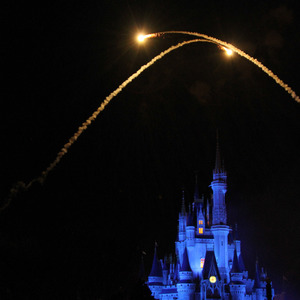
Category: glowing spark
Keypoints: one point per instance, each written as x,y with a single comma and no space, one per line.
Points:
141,37
228,51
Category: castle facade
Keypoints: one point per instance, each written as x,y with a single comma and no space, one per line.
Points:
209,262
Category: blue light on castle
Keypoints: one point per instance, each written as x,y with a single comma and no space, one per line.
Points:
208,262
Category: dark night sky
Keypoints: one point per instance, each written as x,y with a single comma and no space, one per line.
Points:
119,187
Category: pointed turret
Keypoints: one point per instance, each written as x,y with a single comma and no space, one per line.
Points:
185,286
208,212
237,286
185,265
235,265
182,220
257,282
218,165
156,270
191,219
236,233
219,187
241,263
258,287
183,212
176,272
219,216
210,268
190,228
165,271
155,279
196,192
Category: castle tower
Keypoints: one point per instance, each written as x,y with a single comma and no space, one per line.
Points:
219,216
209,263
185,286
219,187
165,271
237,286
155,279
182,221
258,287
190,229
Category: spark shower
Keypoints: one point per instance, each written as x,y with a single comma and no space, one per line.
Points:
141,38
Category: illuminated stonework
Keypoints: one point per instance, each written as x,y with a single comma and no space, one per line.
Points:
208,262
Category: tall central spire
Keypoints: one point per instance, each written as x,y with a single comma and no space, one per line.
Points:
219,187
218,165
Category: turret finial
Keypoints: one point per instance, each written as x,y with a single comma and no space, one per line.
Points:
183,202
196,193
218,164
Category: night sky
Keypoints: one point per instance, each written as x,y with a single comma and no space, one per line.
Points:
80,235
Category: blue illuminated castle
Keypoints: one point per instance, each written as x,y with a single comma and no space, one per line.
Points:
208,263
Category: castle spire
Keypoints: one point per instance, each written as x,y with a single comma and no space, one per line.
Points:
235,265
196,193
183,203
219,187
218,165
156,270
257,282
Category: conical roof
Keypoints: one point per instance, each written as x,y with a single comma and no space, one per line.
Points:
185,265
196,192
183,203
156,266
210,267
235,265
166,265
257,282
241,263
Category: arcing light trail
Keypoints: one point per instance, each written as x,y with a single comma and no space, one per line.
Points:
203,38
23,186
234,49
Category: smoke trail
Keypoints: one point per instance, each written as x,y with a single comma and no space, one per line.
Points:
238,51
19,186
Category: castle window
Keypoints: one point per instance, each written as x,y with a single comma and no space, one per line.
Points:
200,222
200,230
202,263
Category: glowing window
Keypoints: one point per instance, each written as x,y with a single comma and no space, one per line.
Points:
212,279
200,230
202,262
200,222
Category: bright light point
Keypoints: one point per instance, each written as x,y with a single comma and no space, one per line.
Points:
228,51
141,37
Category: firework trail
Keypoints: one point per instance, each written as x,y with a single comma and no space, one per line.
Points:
236,50
19,186
204,38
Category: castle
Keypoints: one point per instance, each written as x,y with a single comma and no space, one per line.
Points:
208,263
